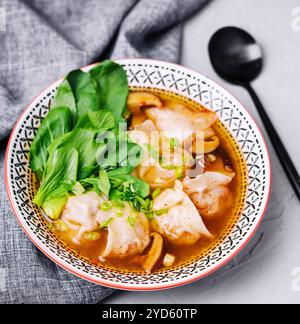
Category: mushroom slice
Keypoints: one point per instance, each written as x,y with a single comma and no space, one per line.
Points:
202,142
205,146
208,133
138,100
154,252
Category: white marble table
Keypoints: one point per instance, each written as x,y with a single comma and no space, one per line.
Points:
266,271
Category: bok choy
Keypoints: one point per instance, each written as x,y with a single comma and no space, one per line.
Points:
70,148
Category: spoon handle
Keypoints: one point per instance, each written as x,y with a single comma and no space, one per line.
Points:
282,153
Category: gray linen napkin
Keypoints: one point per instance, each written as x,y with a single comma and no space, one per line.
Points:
43,40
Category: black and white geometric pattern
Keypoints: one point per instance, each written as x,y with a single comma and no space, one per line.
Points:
193,87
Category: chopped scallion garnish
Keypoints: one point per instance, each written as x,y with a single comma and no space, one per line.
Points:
106,205
179,172
132,219
156,192
92,236
106,223
161,212
173,143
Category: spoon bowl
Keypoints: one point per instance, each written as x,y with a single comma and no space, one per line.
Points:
237,58
235,55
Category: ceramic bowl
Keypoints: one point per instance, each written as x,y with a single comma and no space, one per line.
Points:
194,87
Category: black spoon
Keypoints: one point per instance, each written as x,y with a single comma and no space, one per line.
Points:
237,58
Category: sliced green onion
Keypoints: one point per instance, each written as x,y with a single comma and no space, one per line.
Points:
151,205
150,215
169,167
173,143
106,205
119,212
118,203
179,172
161,211
156,192
131,219
92,236
106,223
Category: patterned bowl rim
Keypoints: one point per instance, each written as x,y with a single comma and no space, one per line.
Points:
157,286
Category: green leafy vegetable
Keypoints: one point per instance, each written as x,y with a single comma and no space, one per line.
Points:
56,123
78,189
96,120
131,189
85,92
129,183
100,184
105,183
54,206
64,98
83,140
82,135
113,87
118,150
121,171
61,173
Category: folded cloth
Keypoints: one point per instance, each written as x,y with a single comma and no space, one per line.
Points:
42,41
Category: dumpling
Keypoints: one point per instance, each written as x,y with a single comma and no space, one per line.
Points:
181,223
209,192
150,169
180,122
128,231
159,171
80,212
